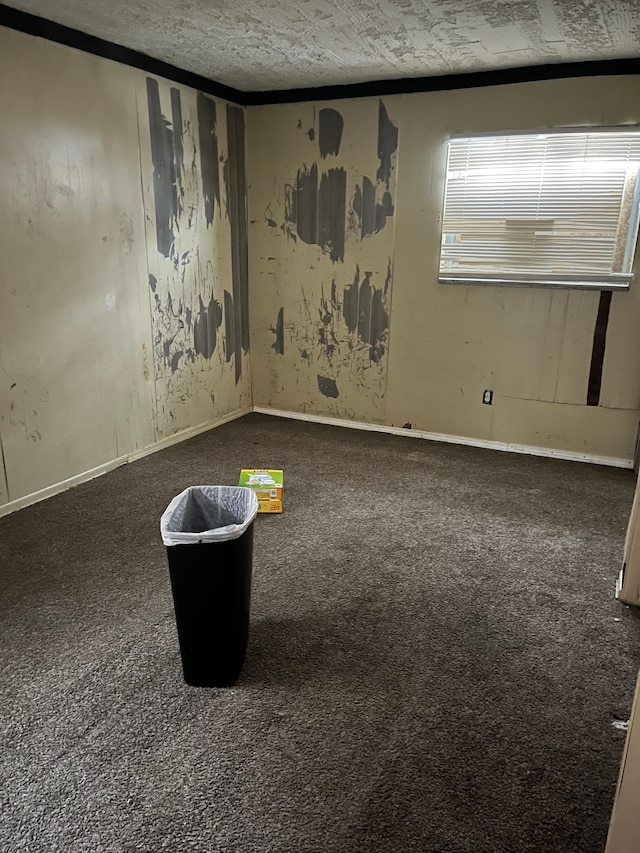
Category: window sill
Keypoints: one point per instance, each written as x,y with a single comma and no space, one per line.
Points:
542,282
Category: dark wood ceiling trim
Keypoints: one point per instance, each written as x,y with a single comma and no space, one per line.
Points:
36,26
472,80
41,27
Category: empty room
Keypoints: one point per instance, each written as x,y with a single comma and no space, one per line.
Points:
389,249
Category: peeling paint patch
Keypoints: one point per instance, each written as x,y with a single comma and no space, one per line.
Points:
268,217
208,154
164,173
306,204
350,302
365,312
319,211
327,337
327,386
225,177
229,326
330,125
278,331
387,143
205,327
145,362
368,207
238,223
371,214
153,282
383,210
331,212
178,146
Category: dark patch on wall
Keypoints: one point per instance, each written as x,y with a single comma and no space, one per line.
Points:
208,140
164,173
166,350
330,125
598,350
229,326
268,215
238,223
350,302
383,210
372,215
368,207
332,202
187,316
153,282
328,386
278,331
205,327
176,360
377,327
319,211
365,311
387,144
327,337
311,134
225,177
365,298
178,147
306,204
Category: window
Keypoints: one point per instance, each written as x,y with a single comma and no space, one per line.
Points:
546,208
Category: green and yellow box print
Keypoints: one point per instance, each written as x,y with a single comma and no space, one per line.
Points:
267,484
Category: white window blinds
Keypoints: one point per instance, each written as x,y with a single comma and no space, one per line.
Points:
547,208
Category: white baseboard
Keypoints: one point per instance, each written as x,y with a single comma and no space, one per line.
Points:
56,488
612,461
185,434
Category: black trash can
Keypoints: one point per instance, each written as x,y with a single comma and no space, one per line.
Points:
208,534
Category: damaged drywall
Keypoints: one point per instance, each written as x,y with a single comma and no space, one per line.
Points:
278,331
326,250
208,143
330,125
315,202
237,205
198,266
366,311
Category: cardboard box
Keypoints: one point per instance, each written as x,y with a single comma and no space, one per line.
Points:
267,484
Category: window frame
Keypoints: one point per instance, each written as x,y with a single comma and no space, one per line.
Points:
594,282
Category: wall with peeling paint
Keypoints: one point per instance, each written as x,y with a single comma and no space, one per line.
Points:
123,263
366,332
322,183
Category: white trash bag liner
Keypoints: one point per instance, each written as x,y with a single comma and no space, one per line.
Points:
208,514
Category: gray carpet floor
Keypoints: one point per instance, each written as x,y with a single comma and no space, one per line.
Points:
435,657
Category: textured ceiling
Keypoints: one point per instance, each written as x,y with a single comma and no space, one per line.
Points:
280,44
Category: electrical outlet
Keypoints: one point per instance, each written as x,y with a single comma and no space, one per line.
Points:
487,397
